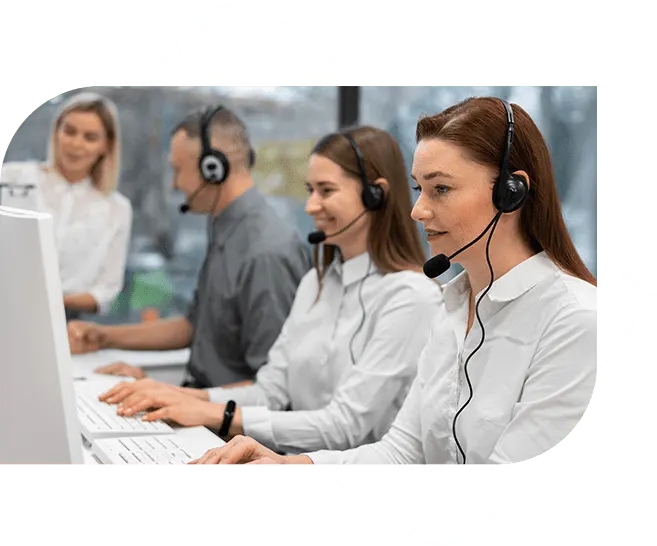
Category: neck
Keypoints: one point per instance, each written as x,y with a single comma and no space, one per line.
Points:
354,247
231,190
504,256
72,177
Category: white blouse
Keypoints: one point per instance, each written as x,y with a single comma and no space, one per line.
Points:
533,378
92,231
337,403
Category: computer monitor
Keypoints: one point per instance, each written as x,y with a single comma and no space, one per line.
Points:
38,419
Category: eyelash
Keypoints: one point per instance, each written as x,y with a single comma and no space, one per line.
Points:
323,192
440,190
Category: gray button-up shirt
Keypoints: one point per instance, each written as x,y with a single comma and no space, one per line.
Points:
253,266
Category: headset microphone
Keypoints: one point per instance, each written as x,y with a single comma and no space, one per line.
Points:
187,205
317,237
438,265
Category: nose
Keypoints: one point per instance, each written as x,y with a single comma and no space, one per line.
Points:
76,142
422,212
313,204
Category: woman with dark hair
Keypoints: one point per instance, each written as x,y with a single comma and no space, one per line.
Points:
510,366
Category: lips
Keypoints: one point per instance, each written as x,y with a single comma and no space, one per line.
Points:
321,224
74,157
431,234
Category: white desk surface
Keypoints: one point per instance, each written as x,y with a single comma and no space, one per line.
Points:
84,365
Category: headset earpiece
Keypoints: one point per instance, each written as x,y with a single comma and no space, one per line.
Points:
214,167
373,196
510,195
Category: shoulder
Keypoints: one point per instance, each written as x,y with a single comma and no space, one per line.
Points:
274,263
412,285
267,225
572,301
572,322
120,203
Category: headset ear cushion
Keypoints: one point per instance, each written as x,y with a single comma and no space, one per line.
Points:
252,157
511,194
214,168
373,196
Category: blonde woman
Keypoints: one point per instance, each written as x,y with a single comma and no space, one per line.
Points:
78,186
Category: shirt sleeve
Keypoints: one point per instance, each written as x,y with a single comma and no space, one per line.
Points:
111,276
266,291
557,390
382,373
401,445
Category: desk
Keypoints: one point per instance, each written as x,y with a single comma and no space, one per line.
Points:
165,366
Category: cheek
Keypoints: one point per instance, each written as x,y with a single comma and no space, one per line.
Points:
96,148
476,212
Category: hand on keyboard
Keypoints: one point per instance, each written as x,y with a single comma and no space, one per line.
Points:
148,399
123,390
244,450
191,412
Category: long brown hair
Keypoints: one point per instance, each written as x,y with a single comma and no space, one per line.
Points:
479,126
105,173
393,239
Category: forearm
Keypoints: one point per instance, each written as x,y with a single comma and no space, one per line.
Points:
160,335
81,302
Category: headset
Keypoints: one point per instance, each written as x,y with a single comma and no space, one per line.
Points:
213,164
509,194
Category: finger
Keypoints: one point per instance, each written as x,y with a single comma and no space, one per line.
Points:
239,453
118,393
162,413
135,403
141,401
211,456
226,454
114,391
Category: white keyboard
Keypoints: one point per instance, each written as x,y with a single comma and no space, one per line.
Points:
99,420
142,450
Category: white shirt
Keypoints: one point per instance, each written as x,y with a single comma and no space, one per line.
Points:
532,379
92,231
338,404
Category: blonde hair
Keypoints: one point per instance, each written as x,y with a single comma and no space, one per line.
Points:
105,173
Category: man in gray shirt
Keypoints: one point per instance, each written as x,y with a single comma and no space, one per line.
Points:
253,265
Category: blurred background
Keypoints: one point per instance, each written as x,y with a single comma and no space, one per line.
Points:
167,248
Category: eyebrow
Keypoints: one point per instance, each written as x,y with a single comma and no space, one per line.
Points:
322,183
434,174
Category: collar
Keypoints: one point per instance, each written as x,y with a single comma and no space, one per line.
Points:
353,270
62,184
519,280
227,221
